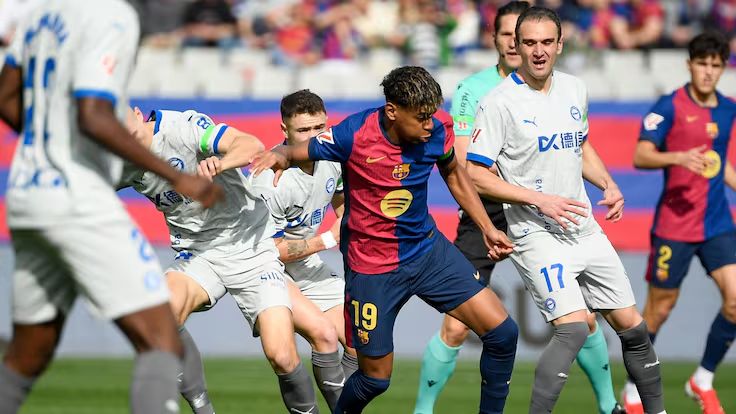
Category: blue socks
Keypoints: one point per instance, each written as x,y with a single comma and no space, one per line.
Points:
438,365
359,390
722,333
496,364
593,359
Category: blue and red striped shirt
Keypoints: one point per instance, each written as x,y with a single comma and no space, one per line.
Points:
692,207
386,219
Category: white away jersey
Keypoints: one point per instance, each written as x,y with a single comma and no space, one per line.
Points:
535,140
298,206
68,49
184,139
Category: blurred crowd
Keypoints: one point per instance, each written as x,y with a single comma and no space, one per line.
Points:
430,33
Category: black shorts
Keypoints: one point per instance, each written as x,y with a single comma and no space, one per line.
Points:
470,240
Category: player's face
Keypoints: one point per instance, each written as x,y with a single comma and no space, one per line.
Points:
135,123
301,127
506,42
539,47
705,73
412,126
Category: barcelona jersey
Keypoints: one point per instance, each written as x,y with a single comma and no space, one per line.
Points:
386,219
692,207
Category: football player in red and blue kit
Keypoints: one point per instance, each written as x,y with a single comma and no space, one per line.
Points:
392,248
687,133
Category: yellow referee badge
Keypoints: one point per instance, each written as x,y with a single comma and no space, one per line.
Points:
713,164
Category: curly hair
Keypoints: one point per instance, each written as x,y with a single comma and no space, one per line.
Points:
412,87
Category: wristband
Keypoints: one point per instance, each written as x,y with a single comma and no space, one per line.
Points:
328,240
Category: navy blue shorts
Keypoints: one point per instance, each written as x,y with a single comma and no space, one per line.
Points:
669,260
443,278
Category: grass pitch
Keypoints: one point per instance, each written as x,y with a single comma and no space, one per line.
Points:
100,386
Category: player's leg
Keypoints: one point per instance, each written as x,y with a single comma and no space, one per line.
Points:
717,257
313,325
43,292
193,286
349,361
447,282
593,360
372,303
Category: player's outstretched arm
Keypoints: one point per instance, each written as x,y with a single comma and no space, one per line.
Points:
11,96
596,173
97,120
462,190
489,185
280,158
647,156
237,148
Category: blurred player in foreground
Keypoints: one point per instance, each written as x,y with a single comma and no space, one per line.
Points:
391,246
298,205
532,129
440,355
228,248
687,133
63,89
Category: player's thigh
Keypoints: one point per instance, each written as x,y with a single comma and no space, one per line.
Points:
372,303
604,282
194,284
445,279
336,316
43,286
152,328
668,262
32,346
481,313
113,264
310,322
549,268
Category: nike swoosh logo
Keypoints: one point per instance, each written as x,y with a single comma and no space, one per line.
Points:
370,160
562,375
309,411
650,365
691,118
335,384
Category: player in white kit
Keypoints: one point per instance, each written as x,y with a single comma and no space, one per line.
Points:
228,248
63,88
533,130
298,205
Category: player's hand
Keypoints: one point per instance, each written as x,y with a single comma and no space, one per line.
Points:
561,209
498,244
693,159
269,159
335,229
210,167
614,200
199,188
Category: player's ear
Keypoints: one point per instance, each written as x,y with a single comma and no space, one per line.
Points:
283,129
560,44
390,110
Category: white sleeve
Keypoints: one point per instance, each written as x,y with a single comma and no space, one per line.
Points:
207,133
488,137
106,54
14,53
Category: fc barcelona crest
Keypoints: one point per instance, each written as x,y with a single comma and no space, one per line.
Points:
363,336
401,171
711,128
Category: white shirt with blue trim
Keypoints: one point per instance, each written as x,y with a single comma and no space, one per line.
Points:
535,141
183,139
68,49
299,205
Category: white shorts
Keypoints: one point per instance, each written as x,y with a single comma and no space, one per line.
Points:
254,278
325,288
110,263
566,275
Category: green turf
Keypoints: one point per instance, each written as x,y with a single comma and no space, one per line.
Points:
247,386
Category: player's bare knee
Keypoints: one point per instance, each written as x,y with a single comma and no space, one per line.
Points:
29,361
283,358
454,333
729,309
324,336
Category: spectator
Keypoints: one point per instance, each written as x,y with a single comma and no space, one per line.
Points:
465,34
210,23
294,39
375,21
689,21
637,24
161,22
258,20
723,16
338,39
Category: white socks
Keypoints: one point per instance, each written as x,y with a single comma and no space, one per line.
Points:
703,379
